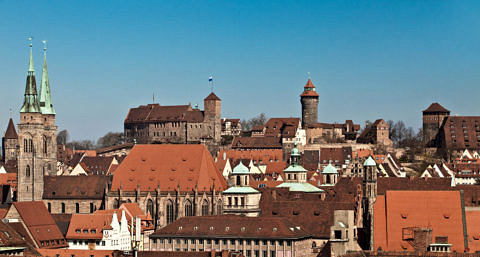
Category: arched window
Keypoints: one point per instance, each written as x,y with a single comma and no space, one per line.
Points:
27,171
25,146
188,208
150,207
219,208
30,145
77,208
63,207
169,211
45,145
238,181
204,208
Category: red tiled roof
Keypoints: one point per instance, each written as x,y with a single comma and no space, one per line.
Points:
440,211
157,113
266,156
233,226
461,132
473,230
8,179
40,223
309,93
282,127
257,143
74,187
76,253
168,166
435,107
11,133
212,96
114,148
88,226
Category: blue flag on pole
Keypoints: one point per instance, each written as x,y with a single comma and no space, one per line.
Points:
210,79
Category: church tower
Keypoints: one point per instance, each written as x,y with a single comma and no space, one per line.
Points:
369,198
10,143
36,137
309,100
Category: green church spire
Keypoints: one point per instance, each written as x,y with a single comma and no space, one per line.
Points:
46,106
30,102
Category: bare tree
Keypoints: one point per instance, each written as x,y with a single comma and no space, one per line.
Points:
111,139
255,121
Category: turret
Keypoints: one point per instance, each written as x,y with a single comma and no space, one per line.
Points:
309,100
369,198
10,143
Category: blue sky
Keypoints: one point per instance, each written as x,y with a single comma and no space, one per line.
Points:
368,59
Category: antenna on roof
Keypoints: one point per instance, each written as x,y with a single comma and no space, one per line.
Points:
308,75
10,110
153,97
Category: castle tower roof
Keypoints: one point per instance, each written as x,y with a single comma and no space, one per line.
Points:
46,106
309,89
11,133
30,102
212,96
435,107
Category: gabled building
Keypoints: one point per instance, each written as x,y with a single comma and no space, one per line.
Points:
168,182
377,133
32,220
10,145
99,232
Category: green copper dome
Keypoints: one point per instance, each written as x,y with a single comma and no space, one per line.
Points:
295,152
370,162
329,169
240,169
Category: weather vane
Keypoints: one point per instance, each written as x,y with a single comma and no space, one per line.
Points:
30,39
44,45
308,74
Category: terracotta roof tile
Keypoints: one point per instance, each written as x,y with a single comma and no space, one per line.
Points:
257,143
76,253
158,113
74,187
233,226
168,166
88,226
212,96
435,107
40,223
440,211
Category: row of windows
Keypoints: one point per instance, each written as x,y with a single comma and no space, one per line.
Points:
80,242
224,242
77,207
52,242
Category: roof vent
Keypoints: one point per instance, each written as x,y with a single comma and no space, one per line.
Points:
195,228
180,228
211,228
292,229
227,228
404,215
446,216
274,229
242,229
259,229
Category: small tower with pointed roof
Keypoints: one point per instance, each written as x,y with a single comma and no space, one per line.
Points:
369,187
241,199
309,100
329,175
212,113
10,143
433,118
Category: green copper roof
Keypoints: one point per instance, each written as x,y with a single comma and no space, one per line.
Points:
295,168
329,169
240,190
301,187
240,169
370,162
30,102
46,106
295,151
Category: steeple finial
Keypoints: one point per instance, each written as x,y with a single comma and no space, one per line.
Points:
31,68
308,75
46,106
30,102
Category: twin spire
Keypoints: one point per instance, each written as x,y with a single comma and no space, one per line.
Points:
31,103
